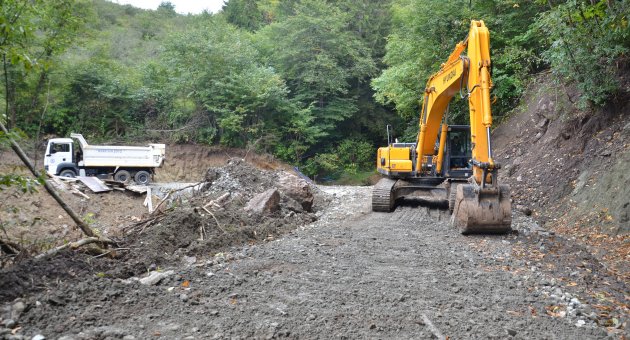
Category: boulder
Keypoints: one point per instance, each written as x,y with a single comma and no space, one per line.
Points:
292,205
296,188
266,202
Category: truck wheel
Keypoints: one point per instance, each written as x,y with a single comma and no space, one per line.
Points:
122,176
142,177
68,173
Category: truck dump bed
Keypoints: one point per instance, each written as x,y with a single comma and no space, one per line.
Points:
151,156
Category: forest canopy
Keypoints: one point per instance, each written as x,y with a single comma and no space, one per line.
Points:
313,82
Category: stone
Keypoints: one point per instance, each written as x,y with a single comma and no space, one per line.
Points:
10,323
511,332
541,124
266,202
297,189
155,277
212,175
38,337
189,260
292,205
17,309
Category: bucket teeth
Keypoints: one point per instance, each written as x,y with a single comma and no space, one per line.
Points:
485,212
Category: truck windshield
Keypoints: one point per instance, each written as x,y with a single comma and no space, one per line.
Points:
65,147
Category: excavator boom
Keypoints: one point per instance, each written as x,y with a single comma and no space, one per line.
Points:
481,204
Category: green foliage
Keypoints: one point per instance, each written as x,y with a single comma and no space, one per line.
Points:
356,154
425,32
216,66
99,98
351,156
320,59
244,14
314,82
24,184
584,40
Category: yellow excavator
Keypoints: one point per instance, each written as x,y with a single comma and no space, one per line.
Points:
451,164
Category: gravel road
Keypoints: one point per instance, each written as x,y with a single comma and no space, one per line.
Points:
351,274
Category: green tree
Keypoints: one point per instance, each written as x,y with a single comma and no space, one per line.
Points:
216,66
244,14
320,59
584,40
425,32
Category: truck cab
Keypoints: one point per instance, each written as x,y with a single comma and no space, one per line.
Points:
60,159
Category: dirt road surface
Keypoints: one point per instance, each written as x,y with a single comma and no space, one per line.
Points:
350,274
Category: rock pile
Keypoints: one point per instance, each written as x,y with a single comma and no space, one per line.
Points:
237,204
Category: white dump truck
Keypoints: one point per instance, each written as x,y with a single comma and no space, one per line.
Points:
70,157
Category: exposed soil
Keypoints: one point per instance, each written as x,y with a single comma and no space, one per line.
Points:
35,222
569,168
350,274
328,267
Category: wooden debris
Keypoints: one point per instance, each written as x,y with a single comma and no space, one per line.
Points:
94,184
139,189
148,202
218,202
74,245
76,191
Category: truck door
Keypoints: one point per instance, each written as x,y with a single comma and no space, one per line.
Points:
56,154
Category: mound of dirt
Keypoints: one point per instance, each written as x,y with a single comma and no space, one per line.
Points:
188,162
215,217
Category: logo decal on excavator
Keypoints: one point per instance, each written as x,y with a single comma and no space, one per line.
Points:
450,76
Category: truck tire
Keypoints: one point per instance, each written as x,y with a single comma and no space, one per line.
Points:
68,173
142,177
122,176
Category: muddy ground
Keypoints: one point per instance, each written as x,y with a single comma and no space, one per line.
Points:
350,274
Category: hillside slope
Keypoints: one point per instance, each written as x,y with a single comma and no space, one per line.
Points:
569,167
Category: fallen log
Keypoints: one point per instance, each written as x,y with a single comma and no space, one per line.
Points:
75,245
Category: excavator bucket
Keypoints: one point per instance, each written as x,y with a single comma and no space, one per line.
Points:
486,211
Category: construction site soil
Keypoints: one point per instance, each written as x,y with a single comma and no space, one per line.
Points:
314,262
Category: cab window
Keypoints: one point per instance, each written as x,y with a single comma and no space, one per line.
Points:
60,148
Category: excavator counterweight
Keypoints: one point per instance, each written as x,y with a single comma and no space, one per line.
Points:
453,164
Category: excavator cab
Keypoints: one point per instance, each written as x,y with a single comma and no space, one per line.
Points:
458,152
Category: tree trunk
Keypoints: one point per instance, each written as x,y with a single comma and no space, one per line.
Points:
16,147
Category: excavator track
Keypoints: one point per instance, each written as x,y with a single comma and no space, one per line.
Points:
382,198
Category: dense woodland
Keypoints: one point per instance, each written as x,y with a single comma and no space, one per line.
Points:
313,82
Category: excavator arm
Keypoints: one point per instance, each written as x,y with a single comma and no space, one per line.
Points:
468,76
